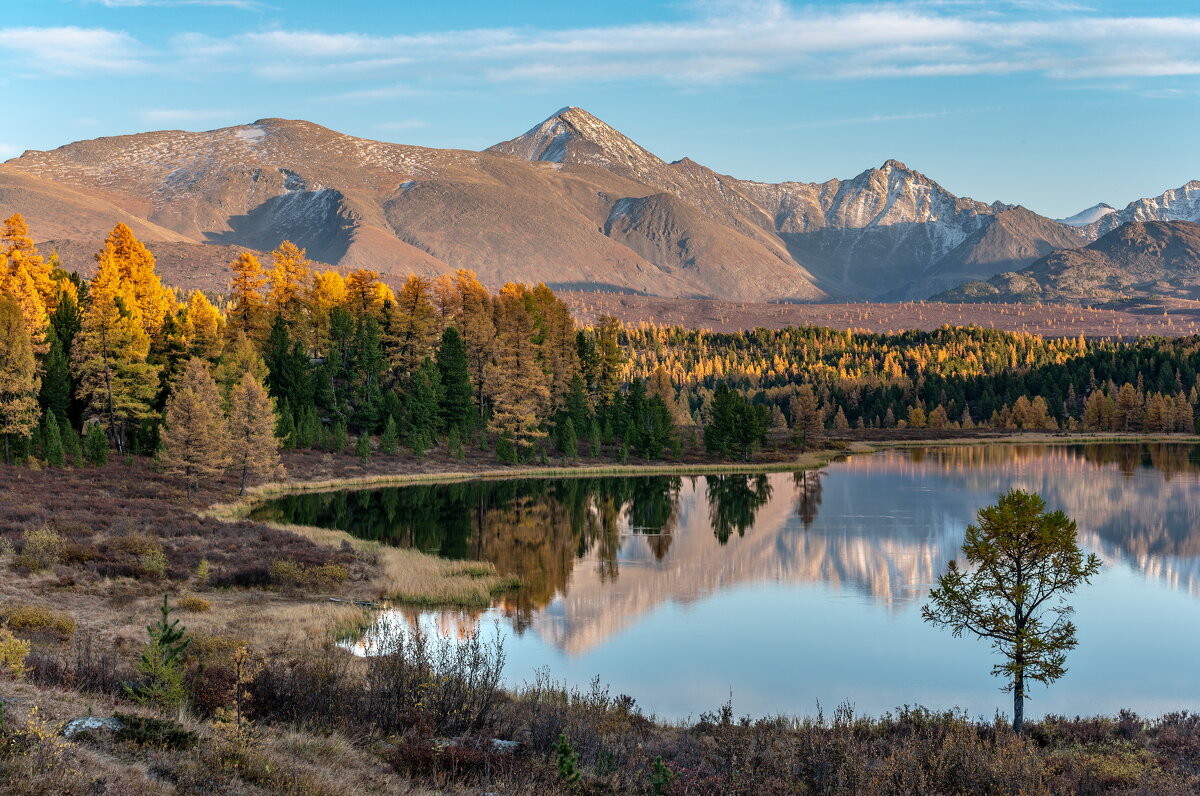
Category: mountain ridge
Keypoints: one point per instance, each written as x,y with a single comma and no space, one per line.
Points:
571,202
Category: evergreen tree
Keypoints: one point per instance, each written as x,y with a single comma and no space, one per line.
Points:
288,376
735,427
362,447
424,398
52,445
195,438
95,445
458,408
55,395
389,440
567,439
253,447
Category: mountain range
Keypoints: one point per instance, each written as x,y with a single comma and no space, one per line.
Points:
571,202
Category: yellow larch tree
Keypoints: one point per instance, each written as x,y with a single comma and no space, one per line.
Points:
195,439
253,446
516,384
289,279
241,356
556,342
246,294
328,291
110,353
476,323
136,264
19,381
25,264
412,326
365,294
203,327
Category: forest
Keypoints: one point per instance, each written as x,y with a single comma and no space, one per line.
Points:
296,356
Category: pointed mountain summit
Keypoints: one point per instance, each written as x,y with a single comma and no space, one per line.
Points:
1089,216
572,135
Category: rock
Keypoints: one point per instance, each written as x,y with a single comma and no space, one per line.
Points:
90,723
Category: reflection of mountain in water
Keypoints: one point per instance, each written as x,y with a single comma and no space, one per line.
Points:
594,554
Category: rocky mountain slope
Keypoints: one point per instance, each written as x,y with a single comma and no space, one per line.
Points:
571,202
1139,259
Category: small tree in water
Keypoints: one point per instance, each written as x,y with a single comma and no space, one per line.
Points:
1022,562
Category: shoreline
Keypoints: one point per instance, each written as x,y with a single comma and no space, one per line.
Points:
416,579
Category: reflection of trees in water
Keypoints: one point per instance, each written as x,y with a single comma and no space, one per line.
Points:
808,495
733,502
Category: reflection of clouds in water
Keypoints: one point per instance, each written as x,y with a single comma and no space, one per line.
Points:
879,527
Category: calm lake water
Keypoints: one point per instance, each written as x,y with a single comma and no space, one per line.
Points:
788,590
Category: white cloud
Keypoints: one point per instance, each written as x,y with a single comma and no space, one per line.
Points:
70,50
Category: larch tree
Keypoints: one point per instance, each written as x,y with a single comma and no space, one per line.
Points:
253,446
1022,561
412,325
136,266
195,438
326,294
110,354
248,312
808,420
240,356
203,327
26,276
556,341
365,294
18,376
476,323
517,387
289,279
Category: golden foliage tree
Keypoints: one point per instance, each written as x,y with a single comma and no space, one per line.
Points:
556,342
477,324
26,276
412,326
241,356
195,440
328,290
203,327
520,398
253,446
289,279
18,376
110,353
136,268
249,307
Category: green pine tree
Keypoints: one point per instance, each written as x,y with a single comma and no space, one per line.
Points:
52,447
389,440
458,408
95,446
72,451
363,447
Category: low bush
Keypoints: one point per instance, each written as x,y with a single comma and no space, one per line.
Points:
41,548
155,733
294,574
30,619
13,652
193,604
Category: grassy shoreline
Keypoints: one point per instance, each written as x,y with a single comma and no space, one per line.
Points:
413,578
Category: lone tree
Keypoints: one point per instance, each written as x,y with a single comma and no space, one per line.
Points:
1022,562
253,446
195,438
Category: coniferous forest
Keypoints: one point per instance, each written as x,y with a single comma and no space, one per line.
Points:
299,357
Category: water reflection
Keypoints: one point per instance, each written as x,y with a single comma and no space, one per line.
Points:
595,554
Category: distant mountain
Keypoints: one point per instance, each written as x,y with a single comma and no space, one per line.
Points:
1139,259
1180,204
1090,216
572,202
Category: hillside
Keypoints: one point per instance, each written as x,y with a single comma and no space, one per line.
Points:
572,202
1138,260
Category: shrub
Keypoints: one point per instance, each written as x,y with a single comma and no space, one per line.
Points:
294,574
13,652
25,618
41,548
136,544
153,564
194,604
202,573
156,733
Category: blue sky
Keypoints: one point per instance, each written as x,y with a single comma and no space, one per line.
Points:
1054,104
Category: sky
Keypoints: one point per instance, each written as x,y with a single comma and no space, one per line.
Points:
1052,104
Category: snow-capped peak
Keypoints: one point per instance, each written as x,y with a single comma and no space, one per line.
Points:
1089,216
572,134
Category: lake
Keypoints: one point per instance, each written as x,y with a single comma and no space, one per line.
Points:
787,591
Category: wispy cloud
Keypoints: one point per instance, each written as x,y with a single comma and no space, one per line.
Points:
722,41
732,40
70,50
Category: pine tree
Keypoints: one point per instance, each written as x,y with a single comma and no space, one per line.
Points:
18,376
362,447
253,446
195,438
424,397
55,394
287,366
95,445
52,446
72,453
389,440
568,440
458,410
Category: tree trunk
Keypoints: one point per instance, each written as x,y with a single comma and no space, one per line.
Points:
7,452
245,472
1019,703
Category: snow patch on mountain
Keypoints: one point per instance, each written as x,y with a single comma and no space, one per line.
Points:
1089,216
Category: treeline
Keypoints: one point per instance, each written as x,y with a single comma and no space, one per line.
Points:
139,368
814,378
